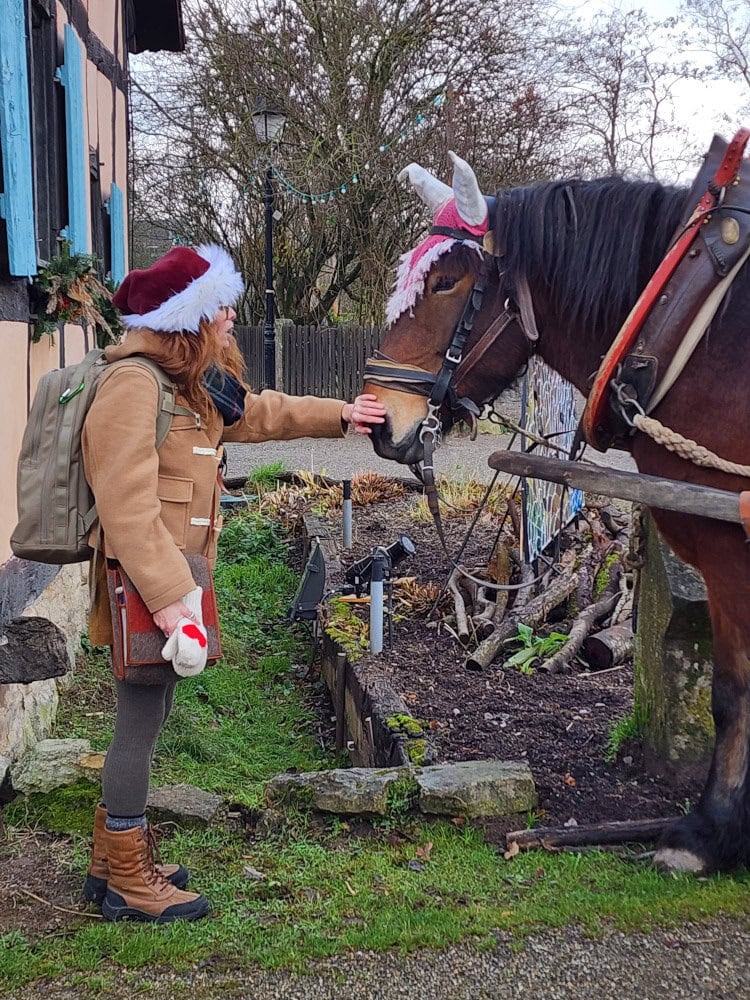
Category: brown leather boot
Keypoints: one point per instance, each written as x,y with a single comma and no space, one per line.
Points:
95,885
136,890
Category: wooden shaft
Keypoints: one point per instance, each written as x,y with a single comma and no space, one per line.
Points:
618,832
653,491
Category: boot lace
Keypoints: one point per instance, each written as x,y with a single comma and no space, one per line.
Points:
152,858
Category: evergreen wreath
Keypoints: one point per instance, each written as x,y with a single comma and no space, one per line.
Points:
68,290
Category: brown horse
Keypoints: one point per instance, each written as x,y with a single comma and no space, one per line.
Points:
578,254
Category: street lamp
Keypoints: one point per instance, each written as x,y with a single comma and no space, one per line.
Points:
269,123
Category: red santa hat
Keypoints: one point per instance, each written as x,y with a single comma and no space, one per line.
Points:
179,289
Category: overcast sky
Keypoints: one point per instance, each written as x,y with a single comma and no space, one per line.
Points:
702,107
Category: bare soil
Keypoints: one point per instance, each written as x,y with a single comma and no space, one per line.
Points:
560,723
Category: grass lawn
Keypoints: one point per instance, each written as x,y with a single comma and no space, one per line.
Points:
327,885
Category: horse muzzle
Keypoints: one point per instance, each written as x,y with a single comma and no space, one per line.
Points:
407,451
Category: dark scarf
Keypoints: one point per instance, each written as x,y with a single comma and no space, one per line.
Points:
226,392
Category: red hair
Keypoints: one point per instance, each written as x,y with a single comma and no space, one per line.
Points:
186,357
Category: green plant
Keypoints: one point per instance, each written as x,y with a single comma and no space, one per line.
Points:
407,724
344,627
534,647
247,535
533,818
626,728
402,795
266,476
68,289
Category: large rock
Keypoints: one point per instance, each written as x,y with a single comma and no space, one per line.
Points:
343,790
33,649
51,764
28,711
673,659
185,805
476,788
27,715
4,769
66,603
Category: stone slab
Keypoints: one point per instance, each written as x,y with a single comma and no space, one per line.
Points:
49,765
476,788
345,791
185,805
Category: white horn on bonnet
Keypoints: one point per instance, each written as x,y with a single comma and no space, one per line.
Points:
469,199
432,191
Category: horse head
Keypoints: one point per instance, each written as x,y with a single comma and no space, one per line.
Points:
444,318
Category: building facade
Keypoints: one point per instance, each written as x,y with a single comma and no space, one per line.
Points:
63,190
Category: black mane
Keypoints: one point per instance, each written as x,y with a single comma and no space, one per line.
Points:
591,245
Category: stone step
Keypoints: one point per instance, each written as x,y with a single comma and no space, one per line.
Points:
467,788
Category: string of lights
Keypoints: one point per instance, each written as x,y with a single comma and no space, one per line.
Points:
318,197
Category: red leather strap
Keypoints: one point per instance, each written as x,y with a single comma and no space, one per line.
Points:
745,511
594,413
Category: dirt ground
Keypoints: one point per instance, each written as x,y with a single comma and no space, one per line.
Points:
560,723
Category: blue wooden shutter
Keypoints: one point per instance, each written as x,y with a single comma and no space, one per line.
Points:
71,77
116,209
17,199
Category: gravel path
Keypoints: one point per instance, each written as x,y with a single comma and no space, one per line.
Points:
696,962
458,457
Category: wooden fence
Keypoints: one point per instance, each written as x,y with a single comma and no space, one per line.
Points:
320,361
250,342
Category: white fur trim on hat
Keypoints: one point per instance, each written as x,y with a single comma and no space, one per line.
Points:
220,285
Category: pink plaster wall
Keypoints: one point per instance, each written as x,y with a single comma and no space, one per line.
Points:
24,362
13,348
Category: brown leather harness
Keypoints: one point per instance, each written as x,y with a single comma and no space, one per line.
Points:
655,342
707,251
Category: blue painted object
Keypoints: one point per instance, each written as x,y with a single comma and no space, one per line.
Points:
116,209
230,502
17,199
70,75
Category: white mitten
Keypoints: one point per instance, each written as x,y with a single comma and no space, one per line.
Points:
187,646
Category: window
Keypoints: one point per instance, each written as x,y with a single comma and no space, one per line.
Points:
17,198
71,77
116,210
47,117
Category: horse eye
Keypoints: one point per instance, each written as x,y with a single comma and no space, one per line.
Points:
444,284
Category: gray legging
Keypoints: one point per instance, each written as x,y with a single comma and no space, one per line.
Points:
142,710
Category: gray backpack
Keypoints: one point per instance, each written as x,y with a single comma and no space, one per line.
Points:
56,508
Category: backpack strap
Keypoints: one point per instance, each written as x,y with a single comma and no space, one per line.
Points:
168,405
168,408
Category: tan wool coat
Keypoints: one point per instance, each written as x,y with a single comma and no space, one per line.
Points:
153,506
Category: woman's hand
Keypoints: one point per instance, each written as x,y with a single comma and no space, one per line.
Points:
365,410
166,618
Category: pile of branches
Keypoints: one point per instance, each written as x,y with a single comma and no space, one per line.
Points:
587,595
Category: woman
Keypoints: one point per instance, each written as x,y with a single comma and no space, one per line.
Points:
153,507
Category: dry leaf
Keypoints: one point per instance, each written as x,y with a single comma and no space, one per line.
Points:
458,820
513,850
252,873
352,892
570,780
423,852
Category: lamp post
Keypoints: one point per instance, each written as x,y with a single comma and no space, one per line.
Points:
269,123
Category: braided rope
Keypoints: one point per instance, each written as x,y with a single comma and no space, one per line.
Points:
686,448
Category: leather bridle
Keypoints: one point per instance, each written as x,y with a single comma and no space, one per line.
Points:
440,388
